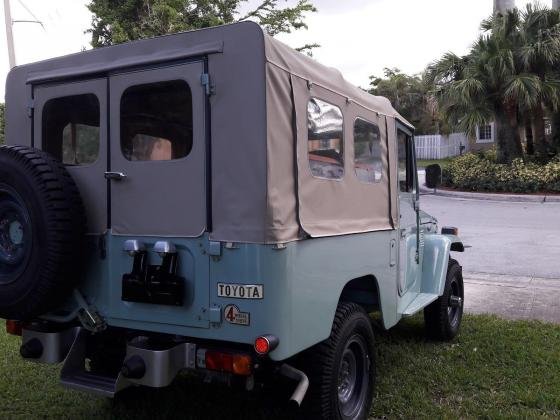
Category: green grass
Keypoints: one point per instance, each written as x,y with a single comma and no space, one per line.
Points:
442,162
494,369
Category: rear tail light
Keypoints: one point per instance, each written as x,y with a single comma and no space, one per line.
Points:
238,364
14,327
265,344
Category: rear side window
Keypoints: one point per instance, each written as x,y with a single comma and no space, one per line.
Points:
157,121
367,152
71,129
325,139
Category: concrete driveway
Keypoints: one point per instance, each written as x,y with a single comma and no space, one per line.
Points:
512,267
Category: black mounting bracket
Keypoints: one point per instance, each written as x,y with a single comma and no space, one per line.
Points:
156,284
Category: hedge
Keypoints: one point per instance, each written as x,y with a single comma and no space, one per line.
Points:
480,172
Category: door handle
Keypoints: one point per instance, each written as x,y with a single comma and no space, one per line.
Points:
115,176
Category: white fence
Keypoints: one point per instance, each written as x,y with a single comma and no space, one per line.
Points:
440,147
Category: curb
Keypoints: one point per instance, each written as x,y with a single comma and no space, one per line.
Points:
512,198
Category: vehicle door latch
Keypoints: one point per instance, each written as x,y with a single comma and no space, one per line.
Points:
115,176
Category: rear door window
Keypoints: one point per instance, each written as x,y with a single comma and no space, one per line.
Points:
157,121
71,129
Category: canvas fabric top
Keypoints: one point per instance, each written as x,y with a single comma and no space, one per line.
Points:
299,204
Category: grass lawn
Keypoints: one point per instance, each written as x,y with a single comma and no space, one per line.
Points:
441,162
494,369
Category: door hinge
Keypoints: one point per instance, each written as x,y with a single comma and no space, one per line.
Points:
30,108
205,81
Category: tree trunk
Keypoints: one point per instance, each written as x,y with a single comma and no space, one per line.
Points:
502,6
529,137
508,138
556,131
539,136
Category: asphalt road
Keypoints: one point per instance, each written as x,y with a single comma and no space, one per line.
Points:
517,239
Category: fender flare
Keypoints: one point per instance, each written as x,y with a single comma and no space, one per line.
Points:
434,264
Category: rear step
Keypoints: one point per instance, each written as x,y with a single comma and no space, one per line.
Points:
75,376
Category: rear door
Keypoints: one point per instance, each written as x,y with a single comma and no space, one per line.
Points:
70,122
157,155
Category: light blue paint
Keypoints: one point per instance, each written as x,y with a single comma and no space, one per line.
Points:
302,286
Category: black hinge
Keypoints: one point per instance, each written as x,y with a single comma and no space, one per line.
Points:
207,84
30,108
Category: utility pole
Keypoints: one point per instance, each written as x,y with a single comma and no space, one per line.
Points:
502,6
10,33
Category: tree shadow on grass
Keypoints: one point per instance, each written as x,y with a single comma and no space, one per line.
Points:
188,398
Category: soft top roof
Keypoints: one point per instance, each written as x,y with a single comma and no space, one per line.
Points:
307,68
262,88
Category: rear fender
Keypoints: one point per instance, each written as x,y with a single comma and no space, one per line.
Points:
434,264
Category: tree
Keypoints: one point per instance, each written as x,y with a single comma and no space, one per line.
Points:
2,124
409,96
540,55
117,21
492,82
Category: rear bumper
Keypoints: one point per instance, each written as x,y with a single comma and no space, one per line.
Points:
145,363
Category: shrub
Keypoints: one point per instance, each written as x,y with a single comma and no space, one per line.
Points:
480,172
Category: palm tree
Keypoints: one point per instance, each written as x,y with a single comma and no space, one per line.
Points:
485,85
540,56
494,82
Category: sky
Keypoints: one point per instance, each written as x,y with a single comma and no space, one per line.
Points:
358,37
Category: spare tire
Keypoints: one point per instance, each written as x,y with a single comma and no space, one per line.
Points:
42,230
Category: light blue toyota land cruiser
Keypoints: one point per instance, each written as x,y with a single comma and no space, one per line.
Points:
213,201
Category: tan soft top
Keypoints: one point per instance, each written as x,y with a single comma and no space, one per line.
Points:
262,189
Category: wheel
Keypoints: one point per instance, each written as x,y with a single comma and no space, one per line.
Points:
41,232
443,317
341,370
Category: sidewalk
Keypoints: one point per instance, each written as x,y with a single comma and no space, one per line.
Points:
513,297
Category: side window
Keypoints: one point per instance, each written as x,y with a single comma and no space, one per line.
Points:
325,139
367,152
157,121
406,178
70,128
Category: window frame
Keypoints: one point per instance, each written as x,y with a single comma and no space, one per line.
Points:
148,161
479,139
354,149
410,165
342,140
44,137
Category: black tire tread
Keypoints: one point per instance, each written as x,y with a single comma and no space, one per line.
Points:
318,362
435,315
64,216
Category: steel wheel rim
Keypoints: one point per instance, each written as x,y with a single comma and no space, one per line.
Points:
353,377
455,304
15,235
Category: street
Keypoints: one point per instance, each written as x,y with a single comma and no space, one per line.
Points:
516,239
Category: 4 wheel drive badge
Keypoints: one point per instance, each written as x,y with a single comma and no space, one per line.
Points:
233,315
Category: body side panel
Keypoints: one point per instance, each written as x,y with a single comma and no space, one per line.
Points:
302,286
